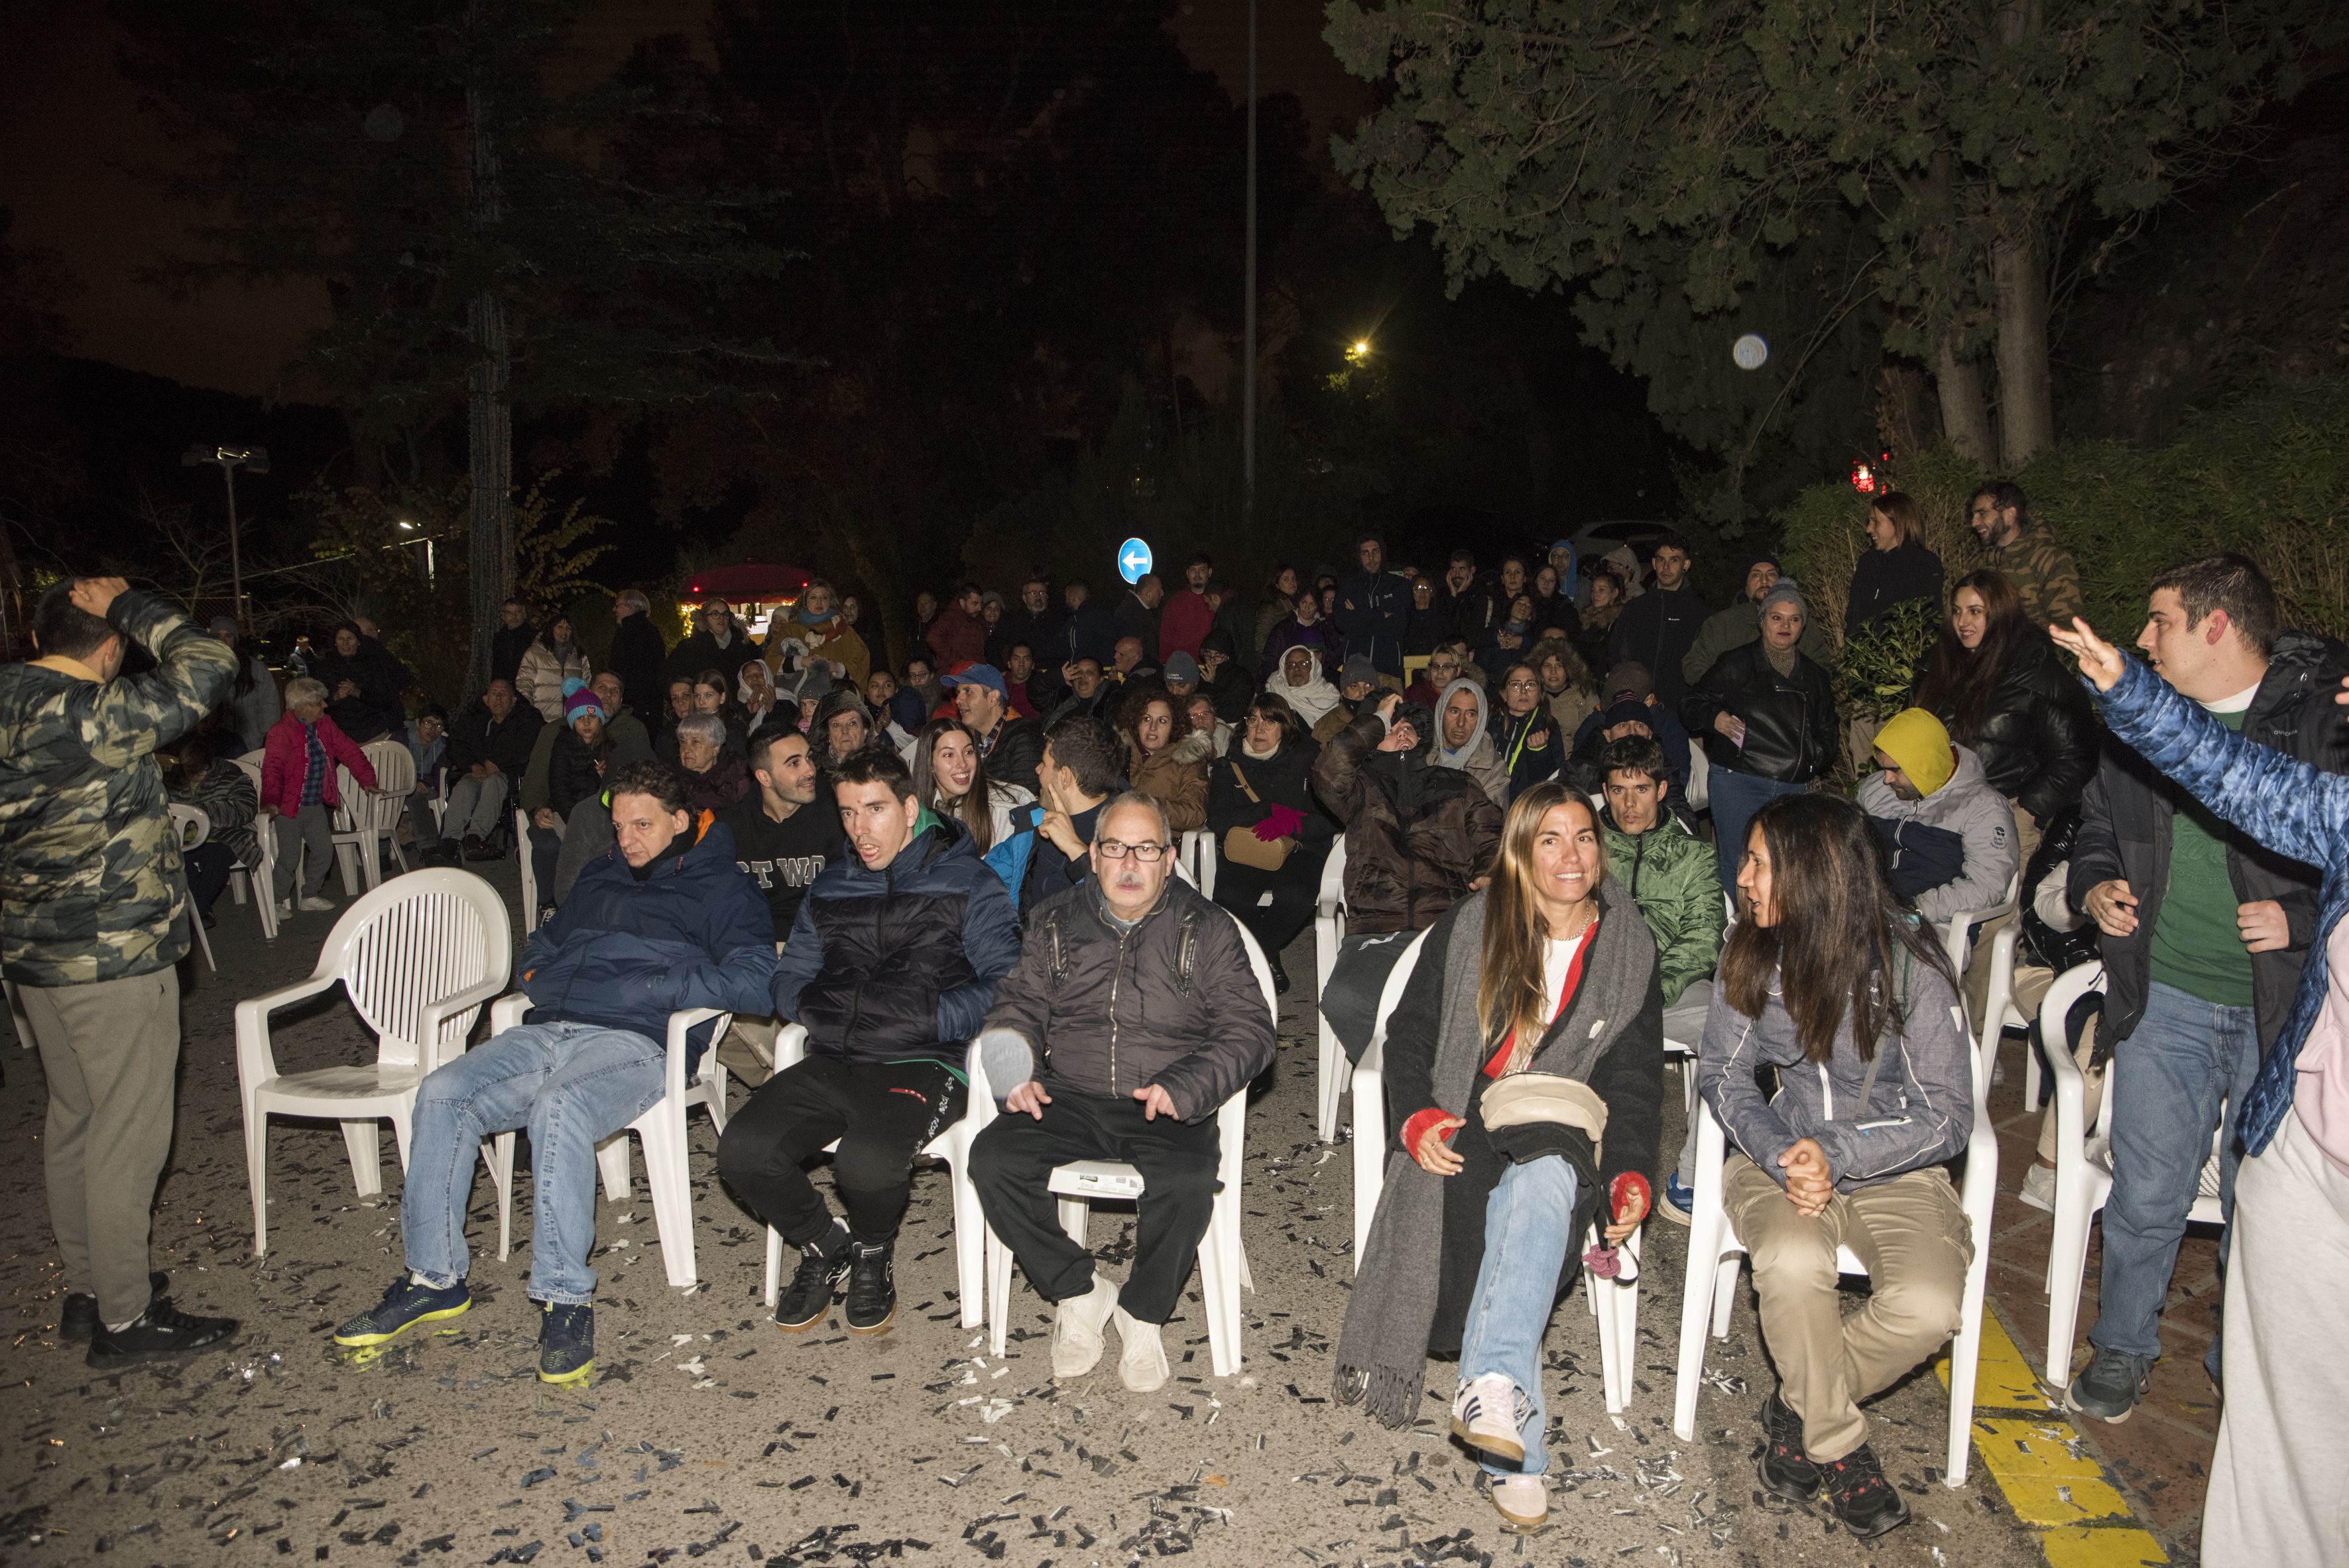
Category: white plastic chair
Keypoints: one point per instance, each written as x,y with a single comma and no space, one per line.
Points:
261,879
1957,930
1199,857
363,820
416,957
1614,1302
2084,1167
1714,1253
1222,1260
953,1145
1329,930
529,872
662,1129
195,827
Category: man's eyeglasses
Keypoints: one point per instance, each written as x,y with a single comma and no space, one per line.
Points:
1148,854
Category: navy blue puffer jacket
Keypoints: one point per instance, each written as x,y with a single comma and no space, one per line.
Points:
899,963
626,952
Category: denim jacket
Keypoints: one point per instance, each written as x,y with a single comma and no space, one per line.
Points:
2286,804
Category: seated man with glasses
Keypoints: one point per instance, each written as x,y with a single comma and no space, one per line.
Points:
1131,1016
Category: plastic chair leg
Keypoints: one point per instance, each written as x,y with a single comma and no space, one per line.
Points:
347,863
1724,1298
2067,1261
713,1078
1074,1213
1334,1069
970,1247
1218,1292
998,1293
775,1267
256,1173
1965,1360
402,1121
202,941
497,1154
612,1164
663,1131
1247,1280
366,1145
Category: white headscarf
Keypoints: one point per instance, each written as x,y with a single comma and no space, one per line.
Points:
1315,699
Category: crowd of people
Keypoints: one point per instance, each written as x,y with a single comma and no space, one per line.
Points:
968,857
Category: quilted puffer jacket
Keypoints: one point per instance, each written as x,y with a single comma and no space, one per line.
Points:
1416,834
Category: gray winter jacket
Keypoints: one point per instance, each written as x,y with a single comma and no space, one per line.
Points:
1967,806
1172,1002
1919,1110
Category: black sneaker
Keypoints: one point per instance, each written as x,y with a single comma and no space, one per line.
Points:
1868,1504
872,1288
1279,975
477,848
1786,1470
447,852
404,1305
2110,1385
161,1330
566,1343
77,1313
823,1264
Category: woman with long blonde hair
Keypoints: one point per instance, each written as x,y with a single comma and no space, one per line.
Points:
1523,1078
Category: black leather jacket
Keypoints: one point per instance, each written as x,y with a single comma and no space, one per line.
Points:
2038,738
1790,721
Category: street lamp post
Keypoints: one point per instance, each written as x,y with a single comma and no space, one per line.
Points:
1248,362
252,459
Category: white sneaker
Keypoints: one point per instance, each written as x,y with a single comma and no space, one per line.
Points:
1077,1329
284,908
1523,1500
1142,1365
1484,1416
2039,1187
313,903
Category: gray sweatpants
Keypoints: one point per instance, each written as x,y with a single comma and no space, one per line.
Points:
311,829
110,1050
2275,1494
475,806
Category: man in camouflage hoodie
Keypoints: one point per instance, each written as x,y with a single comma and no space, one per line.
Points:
2014,542
93,917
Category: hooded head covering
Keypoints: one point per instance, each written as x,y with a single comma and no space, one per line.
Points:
1457,756
1915,739
1315,699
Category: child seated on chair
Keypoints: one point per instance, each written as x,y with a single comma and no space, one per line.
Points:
1136,1012
1524,1085
889,966
1826,978
661,924
298,794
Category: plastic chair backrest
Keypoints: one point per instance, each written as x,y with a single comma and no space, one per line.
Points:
2055,1007
250,763
395,775
416,938
1333,875
1390,996
193,824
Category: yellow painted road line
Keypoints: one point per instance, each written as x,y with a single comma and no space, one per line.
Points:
2034,1450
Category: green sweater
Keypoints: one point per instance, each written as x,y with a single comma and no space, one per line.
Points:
1674,878
2196,944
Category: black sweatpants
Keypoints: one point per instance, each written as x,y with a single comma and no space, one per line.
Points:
1011,1161
883,1113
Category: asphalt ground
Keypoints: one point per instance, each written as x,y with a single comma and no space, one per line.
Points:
708,1433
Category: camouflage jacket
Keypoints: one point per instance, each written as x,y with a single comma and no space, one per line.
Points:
2043,574
90,885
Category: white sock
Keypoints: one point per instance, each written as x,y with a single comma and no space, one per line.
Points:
118,1327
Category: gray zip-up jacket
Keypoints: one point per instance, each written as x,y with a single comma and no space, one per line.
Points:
1919,1110
1967,806
1171,1001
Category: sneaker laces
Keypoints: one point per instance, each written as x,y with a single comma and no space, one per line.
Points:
1858,1473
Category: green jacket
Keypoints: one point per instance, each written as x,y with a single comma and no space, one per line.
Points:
1738,625
2043,575
1676,881
90,885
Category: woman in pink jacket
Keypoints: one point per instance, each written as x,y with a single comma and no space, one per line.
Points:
297,791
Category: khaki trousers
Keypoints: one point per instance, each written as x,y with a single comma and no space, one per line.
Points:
111,1051
1911,1235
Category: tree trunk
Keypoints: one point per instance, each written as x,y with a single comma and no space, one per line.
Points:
2026,406
490,416
1964,418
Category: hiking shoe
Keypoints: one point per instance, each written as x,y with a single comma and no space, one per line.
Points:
872,1288
161,1330
406,1303
2110,1385
1484,1416
2039,1188
1786,1470
566,1343
1523,1501
77,1313
1859,1494
1675,1202
823,1264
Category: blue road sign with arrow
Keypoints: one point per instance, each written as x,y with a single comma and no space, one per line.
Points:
1133,561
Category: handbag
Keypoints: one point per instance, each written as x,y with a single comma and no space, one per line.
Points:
1243,847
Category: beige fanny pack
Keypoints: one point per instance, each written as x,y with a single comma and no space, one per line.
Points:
1521,1099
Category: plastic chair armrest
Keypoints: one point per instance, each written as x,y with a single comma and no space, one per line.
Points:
791,1046
256,1062
428,1021
680,1023
508,1011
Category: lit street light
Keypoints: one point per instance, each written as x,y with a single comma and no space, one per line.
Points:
252,459
1360,352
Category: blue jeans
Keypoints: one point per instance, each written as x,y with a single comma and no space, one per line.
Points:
2183,1058
573,1085
1734,798
1526,1240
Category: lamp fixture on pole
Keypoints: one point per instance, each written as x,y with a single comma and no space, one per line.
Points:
252,459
